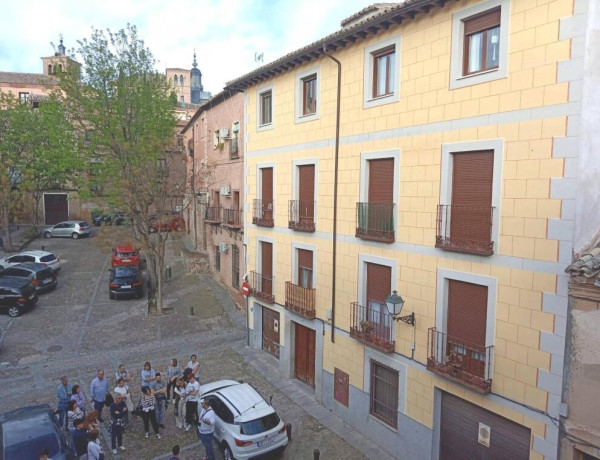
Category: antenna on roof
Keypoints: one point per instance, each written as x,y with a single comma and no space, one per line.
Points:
259,57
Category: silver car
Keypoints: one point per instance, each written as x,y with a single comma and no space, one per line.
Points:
69,228
39,257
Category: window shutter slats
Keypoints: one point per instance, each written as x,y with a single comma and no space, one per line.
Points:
381,181
379,282
267,184
305,259
483,22
467,311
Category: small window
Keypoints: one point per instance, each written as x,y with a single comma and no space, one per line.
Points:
23,97
482,42
384,393
309,95
384,64
181,99
175,80
266,108
181,80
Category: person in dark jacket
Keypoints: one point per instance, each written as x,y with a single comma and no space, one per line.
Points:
118,409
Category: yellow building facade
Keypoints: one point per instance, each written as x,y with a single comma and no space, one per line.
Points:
455,160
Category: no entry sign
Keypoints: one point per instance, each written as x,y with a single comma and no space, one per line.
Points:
245,288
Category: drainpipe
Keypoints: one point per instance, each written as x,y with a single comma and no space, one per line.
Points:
335,187
194,188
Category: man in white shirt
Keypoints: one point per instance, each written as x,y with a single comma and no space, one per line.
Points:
207,428
194,365
191,402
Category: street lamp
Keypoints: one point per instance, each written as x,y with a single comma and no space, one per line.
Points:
394,305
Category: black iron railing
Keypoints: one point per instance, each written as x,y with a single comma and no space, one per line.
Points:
372,325
375,221
301,215
262,213
232,217
300,300
463,228
262,286
213,214
460,360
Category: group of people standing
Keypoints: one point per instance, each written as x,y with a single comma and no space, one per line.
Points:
179,387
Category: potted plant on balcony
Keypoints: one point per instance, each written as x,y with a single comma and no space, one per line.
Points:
366,329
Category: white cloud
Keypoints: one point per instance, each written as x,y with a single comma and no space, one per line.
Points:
225,34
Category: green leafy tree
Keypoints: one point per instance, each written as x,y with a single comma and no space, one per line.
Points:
127,107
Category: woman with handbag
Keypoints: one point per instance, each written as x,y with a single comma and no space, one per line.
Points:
118,409
148,402
122,390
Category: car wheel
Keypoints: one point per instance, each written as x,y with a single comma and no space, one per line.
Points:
75,235
227,454
14,311
47,235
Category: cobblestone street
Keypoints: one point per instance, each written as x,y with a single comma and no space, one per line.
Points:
76,330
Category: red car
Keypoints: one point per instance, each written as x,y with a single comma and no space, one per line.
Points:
167,222
125,254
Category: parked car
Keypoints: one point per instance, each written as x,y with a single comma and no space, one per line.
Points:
16,295
246,425
40,257
114,218
125,254
166,222
42,277
125,281
24,432
68,228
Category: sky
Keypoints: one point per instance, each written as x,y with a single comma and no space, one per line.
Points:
226,34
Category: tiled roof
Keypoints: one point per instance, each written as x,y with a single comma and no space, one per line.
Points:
390,14
368,9
26,78
588,265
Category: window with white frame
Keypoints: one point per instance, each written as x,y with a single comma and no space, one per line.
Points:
382,72
264,113
479,43
308,83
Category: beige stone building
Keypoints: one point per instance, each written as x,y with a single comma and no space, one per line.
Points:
432,148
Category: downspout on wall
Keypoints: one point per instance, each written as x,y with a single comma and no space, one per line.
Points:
335,188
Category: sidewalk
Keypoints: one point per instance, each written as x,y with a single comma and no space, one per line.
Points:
268,366
20,236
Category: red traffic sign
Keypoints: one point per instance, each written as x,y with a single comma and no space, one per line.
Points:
245,288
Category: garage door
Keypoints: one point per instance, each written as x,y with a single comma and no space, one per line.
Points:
56,208
304,356
467,430
271,331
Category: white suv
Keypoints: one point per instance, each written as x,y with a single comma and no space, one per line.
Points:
246,425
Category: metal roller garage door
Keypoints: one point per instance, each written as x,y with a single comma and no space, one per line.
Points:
461,438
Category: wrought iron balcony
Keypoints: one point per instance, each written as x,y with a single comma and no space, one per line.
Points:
262,213
301,215
232,218
234,151
213,214
375,221
462,228
460,361
372,326
300,300
262,286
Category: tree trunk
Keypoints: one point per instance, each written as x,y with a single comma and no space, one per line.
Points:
152,298
36,197
8,247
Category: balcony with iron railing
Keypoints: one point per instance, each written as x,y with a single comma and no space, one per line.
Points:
232,218
262,286
262,213
300,300
460,361
372,326
234,151
213,215
375,222
301,215
463,228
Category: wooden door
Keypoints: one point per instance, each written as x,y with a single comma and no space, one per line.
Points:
381,195
270,325
379,285
305,268
471,214
56,208
304,357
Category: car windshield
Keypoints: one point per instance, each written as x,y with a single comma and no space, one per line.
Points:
125,254
127,270
48,258
260,425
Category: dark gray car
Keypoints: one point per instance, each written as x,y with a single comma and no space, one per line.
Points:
41,276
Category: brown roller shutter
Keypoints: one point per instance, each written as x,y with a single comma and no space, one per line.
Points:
482,22
379,282
459,429
467,311
472,180
306,176
267,267
381,181
267,184
305,259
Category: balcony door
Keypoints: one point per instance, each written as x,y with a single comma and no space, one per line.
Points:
305,268
306,194
472,179
466,326
376,215
266,278
267,194
379,287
